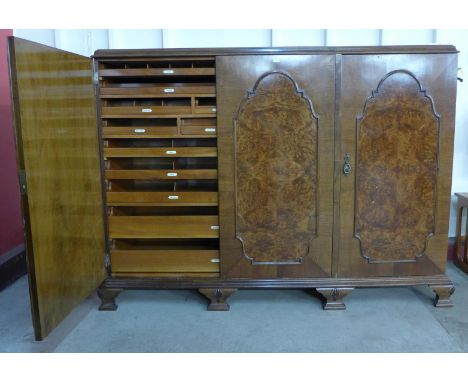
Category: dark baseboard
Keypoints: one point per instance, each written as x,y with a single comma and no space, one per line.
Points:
452,256
12,269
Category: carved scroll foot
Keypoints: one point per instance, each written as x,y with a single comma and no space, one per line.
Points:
108,297
443,293
333,297
217,298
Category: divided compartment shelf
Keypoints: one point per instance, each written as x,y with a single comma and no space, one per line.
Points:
158,120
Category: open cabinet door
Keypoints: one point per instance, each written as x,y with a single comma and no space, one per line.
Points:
60,178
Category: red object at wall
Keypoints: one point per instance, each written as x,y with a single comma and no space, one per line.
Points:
11,227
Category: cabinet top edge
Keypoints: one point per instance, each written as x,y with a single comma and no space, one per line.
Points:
381,49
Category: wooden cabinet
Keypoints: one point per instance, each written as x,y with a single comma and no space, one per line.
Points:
220,169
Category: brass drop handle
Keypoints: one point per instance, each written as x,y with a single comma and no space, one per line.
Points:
347,165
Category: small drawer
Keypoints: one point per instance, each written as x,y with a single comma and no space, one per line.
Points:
198,130
157,90
138,132
165,260
161,174
163,227
205,109
109,111
137,72
152,152
155,198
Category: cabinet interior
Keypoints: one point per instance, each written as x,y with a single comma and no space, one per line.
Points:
158,120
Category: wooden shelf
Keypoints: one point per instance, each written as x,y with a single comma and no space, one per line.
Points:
155,95
158,198
165,260
153,115
168,152
159,90
162,174
144,206
150,72
168,275
161,227
144,111
158,132
197,130
139,131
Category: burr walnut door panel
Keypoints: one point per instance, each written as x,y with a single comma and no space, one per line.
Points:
275,150
58,152
397,121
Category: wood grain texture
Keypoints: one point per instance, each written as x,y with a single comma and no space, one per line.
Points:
396,170
411,158
315,76
276,171
55,121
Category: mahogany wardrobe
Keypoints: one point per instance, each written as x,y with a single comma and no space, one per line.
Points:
232,168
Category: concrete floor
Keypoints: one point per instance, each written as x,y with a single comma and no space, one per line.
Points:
376,320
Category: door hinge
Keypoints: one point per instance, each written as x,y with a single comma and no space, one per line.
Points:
107,261
22,182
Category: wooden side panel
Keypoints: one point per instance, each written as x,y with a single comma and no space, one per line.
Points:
276,141
397,123
55,121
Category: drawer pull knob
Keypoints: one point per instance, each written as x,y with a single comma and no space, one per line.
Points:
169,90
173,197
146,110
210,129
171,152
168,71
214,227
171,174
139,131
215,260
213,110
